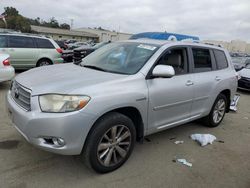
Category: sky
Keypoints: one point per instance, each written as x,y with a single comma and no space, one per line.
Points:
211,19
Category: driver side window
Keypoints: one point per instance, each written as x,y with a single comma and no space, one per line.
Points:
177,58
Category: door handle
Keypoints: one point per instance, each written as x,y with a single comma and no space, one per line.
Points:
217,78
189,83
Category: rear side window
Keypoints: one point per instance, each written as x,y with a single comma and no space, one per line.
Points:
202,59
3,41
44,43
221,59
21,42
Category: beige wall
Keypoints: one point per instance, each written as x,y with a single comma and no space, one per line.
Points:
105,35
60,37
233,46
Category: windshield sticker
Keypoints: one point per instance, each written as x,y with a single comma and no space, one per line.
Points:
147,47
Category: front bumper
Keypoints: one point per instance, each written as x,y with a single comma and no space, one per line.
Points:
58,60
7,73
244,83
35,125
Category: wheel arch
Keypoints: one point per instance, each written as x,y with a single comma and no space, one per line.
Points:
133,113
43,58
227,94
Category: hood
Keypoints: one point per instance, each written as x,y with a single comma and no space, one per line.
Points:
84,48
63,78
244,73
67,51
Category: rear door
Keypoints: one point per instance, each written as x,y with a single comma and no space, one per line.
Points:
170,99
205,79
23,52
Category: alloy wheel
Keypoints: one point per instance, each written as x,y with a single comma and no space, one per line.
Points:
114,145
219,111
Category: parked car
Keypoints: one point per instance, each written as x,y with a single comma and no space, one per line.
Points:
81,52
239,62
61,44
119,94
244,81
69,41
27,51
72,46
67,56
7,72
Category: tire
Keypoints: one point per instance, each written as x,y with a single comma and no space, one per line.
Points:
109,143
43,62
211,120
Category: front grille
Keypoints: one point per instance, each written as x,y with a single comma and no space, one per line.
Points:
78,55
21,95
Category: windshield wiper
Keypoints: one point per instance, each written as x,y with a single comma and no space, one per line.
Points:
94,67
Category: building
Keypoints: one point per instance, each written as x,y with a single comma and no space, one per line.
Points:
59,34
233,46
106,35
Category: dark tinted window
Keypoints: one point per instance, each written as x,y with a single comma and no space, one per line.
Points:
3,41
202,58
176,58
21,42
44,43
220,59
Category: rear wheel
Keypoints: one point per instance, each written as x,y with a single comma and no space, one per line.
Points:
217,112
44,62
110,143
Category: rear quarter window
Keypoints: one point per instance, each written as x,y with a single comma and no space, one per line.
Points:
44,43
221,59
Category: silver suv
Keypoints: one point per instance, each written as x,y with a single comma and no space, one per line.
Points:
119,94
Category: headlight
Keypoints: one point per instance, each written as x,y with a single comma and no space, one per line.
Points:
62,103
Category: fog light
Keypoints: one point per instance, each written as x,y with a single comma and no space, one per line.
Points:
58,141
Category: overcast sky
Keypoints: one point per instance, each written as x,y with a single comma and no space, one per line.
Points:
210,19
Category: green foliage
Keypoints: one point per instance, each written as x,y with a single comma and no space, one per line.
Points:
65,26
17,22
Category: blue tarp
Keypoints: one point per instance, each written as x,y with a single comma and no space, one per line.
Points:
164,36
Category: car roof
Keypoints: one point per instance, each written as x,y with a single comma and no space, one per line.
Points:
168,42
25,35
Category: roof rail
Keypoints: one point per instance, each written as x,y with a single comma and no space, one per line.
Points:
208,43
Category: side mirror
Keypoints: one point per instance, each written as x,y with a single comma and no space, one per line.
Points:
164,71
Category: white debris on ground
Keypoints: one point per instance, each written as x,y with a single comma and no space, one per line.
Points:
203,139
179,142
234,103
184,161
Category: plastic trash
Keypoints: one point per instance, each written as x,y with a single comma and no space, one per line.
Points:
234,103
184,161
203,139
179,142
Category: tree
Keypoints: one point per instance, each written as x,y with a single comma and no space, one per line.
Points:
16,21
65,26
11,11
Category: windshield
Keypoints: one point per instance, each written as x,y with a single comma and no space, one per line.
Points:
247,66
122,57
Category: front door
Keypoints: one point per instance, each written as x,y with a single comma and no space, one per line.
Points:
170,99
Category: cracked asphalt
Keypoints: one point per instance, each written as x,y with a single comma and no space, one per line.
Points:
225,163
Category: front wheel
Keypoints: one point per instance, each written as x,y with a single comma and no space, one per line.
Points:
217,112
110,143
